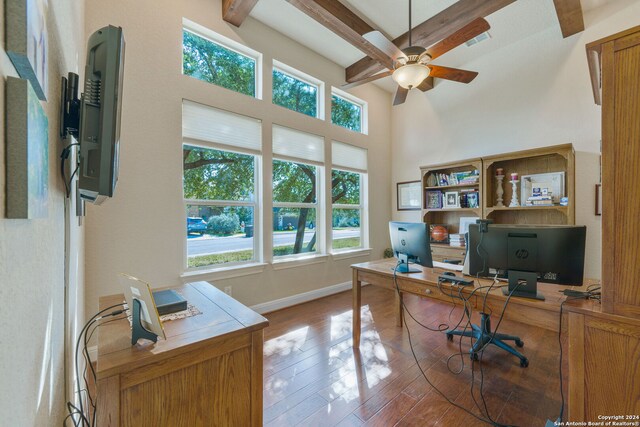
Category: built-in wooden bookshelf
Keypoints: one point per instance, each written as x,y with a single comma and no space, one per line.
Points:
559,158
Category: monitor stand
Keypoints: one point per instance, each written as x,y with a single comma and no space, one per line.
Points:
529,289
403,260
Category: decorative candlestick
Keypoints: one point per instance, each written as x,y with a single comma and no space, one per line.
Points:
514,193
499,191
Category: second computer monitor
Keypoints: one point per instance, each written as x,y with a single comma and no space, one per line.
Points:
527,255
410,244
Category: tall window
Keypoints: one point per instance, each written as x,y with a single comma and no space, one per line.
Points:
217,63
297,174
220,162
347,111
296,91
348,182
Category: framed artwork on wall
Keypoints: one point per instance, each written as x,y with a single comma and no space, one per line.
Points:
27,152
408,195
26,41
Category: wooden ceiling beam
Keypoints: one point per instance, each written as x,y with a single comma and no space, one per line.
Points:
236,11
570,16
431,31
345,23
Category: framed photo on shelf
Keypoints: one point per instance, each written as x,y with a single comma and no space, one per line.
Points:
542,185
472,200
598,199
408,195
439,233
451,200
433,200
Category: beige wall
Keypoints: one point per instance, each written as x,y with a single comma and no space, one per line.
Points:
142,229
32,256
529,94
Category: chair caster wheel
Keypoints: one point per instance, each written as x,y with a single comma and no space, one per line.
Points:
474,356
449,337
520,343
524,363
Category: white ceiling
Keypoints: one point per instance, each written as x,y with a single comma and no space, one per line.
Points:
515,22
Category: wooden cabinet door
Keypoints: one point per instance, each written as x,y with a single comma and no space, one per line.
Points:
621,175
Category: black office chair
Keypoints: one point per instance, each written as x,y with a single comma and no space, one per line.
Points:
484,336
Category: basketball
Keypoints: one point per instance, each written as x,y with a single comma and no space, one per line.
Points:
439,233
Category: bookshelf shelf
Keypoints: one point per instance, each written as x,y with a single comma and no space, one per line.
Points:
452,187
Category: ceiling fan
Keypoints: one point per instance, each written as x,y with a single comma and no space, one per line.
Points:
412,65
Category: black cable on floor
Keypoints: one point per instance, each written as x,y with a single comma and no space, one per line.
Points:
395,280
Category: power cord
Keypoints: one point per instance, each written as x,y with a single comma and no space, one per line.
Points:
64,156
79,411
404,308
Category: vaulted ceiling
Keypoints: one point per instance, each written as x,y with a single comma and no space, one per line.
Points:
333,28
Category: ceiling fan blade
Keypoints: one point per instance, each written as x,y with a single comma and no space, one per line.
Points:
379,40
469,31
375,77
401,96
454,74
427,84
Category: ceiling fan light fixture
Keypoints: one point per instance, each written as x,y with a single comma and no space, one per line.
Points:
410,75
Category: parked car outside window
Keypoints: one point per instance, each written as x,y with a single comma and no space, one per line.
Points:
196,225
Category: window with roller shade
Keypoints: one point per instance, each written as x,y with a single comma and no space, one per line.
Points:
298,159
348,197
221,162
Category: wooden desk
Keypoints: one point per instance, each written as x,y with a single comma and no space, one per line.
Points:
207,372
380,273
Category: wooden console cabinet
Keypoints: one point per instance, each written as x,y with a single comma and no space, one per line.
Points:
208,372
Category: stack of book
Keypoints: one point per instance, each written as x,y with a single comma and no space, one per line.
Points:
456,240
540,198
458,178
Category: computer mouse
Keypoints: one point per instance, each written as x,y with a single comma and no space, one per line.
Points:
449,273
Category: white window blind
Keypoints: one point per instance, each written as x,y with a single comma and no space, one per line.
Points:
348,156
210,124
300,145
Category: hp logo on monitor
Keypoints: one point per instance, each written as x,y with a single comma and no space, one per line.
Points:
403,242
522,254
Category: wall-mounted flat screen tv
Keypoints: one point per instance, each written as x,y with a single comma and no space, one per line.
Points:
100,109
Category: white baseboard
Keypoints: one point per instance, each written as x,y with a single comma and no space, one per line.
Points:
278,304
285,302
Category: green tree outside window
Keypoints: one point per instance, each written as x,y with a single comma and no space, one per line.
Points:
346,114
213,63
294,94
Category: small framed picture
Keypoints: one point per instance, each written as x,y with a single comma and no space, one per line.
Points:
409,195
433,200
598,199
451,199
439,233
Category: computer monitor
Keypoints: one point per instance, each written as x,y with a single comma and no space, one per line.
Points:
527,255
410,244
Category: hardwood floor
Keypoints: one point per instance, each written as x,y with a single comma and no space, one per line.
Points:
313,377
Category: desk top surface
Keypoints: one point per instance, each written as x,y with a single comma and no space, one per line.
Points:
221,317
429,276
